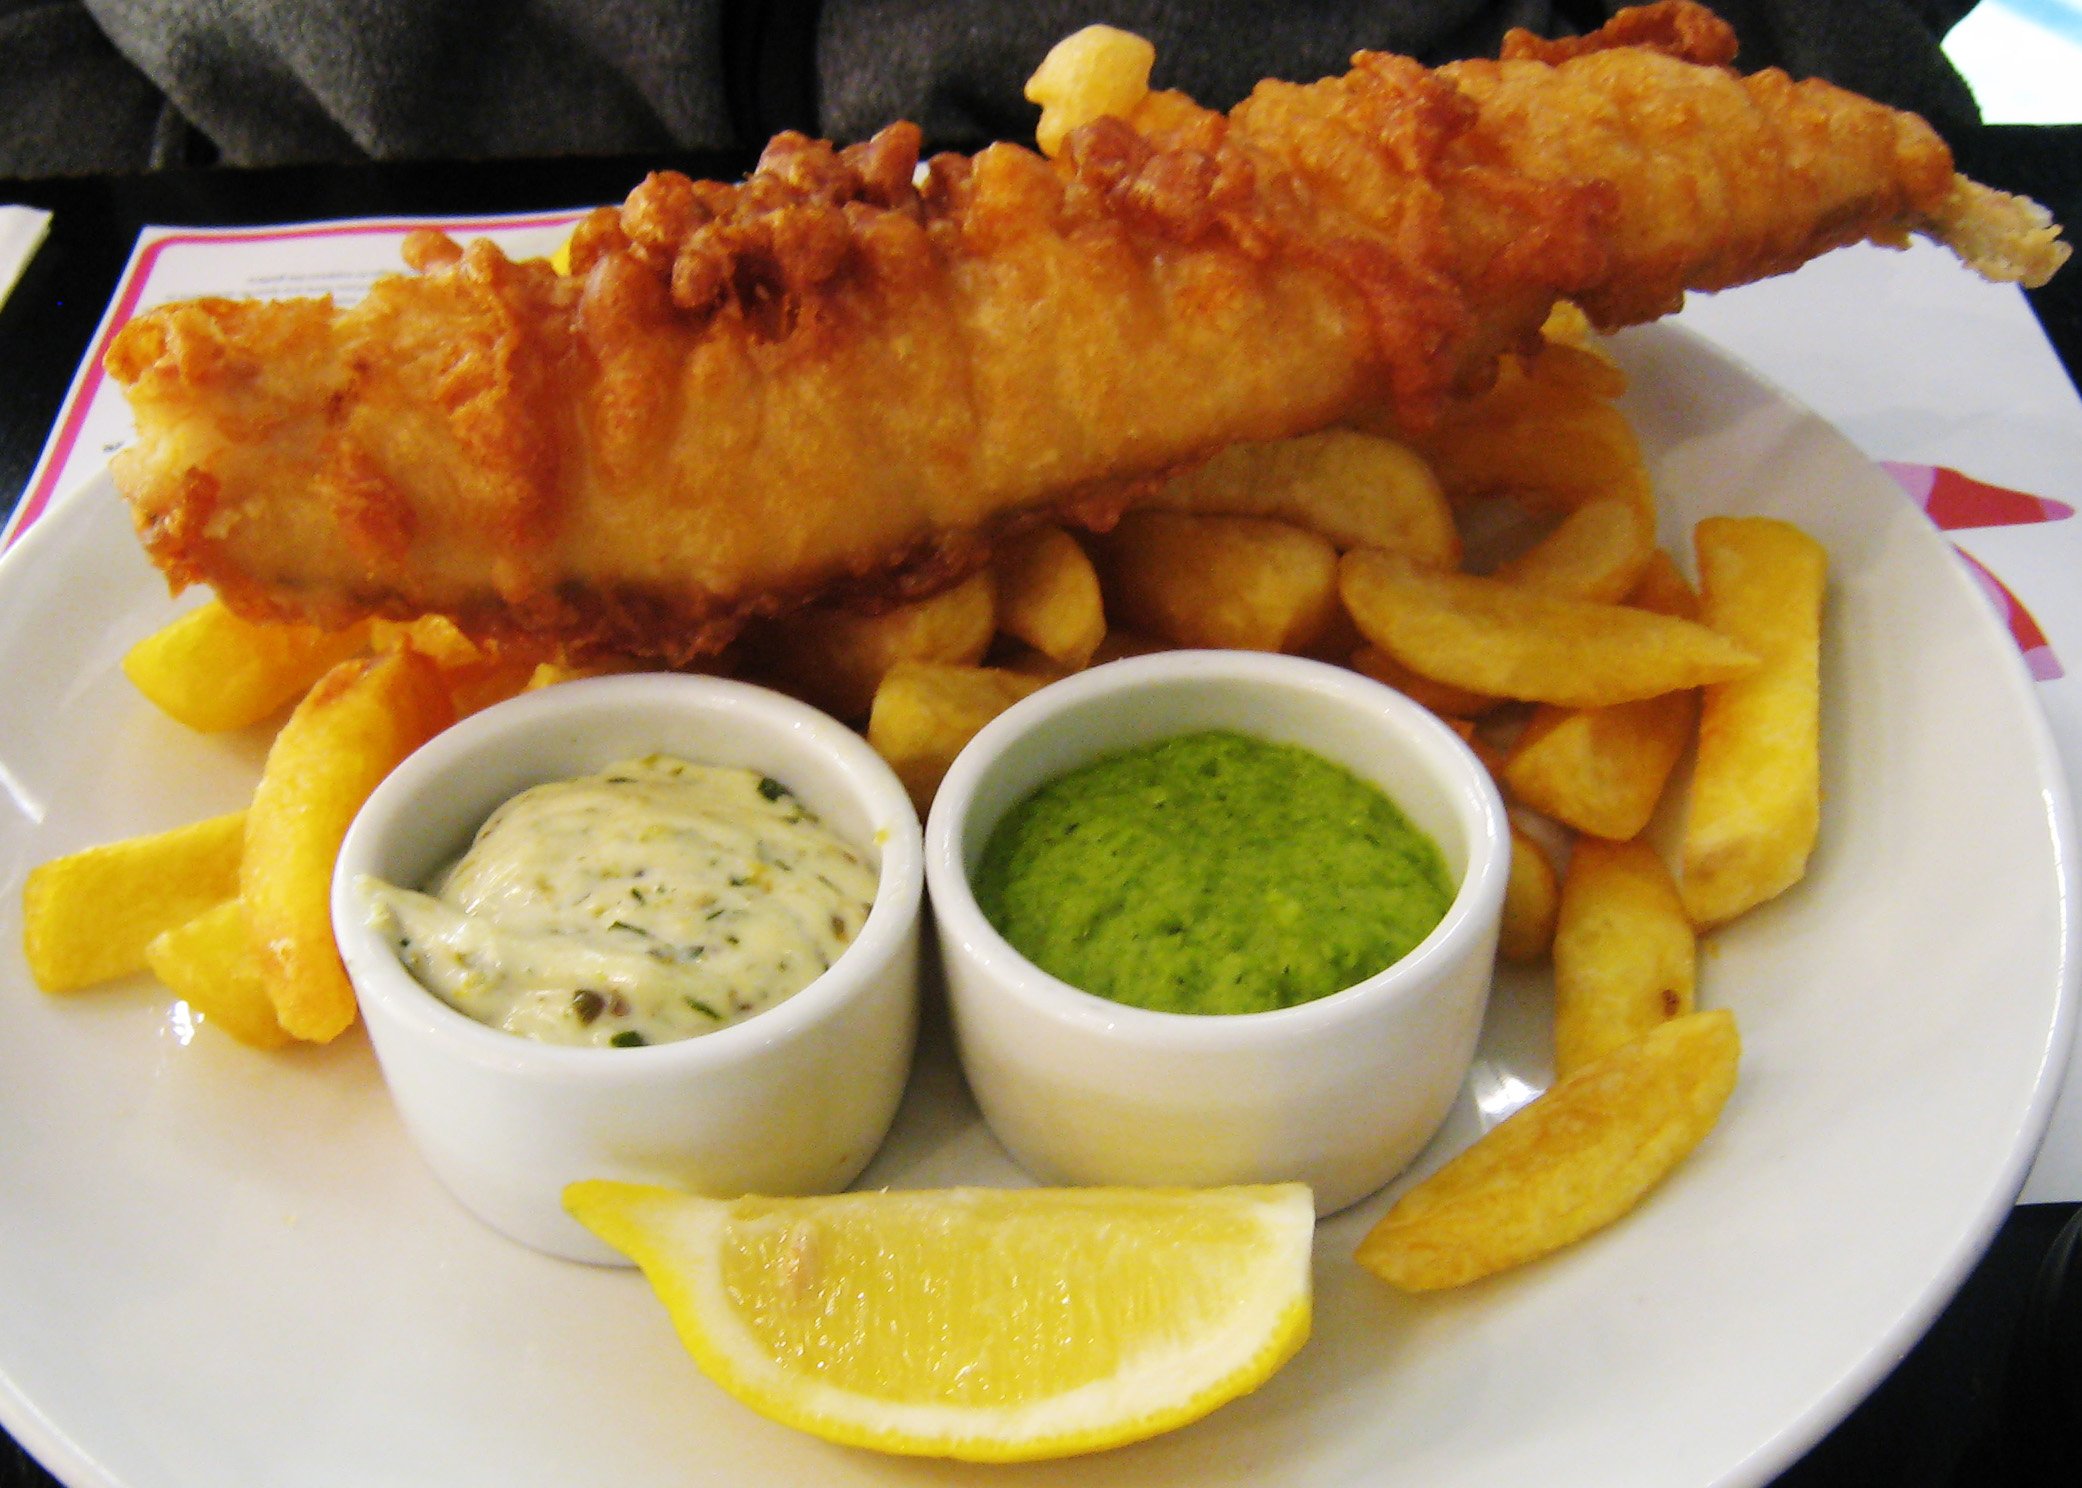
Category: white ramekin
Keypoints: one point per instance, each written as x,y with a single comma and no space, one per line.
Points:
793,1100
1340,1093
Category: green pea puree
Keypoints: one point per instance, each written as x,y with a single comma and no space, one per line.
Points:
1211,873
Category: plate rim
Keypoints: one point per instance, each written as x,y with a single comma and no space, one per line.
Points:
1853,1386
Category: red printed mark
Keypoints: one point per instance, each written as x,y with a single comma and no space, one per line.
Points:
1955,502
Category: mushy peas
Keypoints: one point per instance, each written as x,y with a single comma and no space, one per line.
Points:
1211,873
653,901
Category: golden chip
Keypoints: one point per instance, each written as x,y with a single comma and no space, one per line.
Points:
1564,1166
1531,900
1755,798
1353,489
1442,698
1490,636
1598,551
213,671
550,673
1663,589
1048,597
478,686
1625,955
1573,353
353,728
436,637
478,674
925,713
209,963
88,916
1097,71
1540,435
835,659
1241,582
1601,770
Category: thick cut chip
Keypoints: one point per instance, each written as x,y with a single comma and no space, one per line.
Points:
1486,635
1625,954
1241,582
550,673
835,659
1602,770
1663,589
88,916
924,713
209,963
1532,899
1442,698
349,732
213,671
1598,551
1564,1166
474,688
1585,368
1544,434
1010,654
477,675
1354,489
1048,597
985,1324
1755,800
1121,643
1090,73
1472,735
1572,353
436,637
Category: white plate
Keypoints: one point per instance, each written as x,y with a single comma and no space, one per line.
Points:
222,1267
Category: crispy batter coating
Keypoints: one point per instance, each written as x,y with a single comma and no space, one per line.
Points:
844,378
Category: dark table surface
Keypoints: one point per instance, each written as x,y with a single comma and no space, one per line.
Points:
1993,1392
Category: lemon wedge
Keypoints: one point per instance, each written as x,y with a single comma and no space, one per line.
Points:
994,1325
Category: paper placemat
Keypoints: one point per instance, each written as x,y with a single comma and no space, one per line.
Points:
21,232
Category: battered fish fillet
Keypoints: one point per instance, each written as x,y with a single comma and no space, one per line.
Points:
844,378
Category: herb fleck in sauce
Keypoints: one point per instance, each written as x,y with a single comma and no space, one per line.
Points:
656,900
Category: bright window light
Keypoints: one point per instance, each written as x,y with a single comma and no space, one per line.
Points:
2023,59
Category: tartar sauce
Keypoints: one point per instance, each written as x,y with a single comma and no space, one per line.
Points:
656,900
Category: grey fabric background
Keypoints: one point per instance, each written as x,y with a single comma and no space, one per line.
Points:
130,85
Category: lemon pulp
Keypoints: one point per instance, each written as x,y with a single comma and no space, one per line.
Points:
986,1324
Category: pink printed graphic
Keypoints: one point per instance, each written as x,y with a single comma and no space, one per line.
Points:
1955,502
2038,656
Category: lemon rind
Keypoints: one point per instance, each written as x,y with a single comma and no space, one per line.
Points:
660,1229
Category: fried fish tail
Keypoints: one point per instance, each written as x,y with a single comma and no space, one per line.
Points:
2003,237
846,378
1723,179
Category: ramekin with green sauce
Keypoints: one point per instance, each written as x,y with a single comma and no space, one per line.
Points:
1205,1050
1211,872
